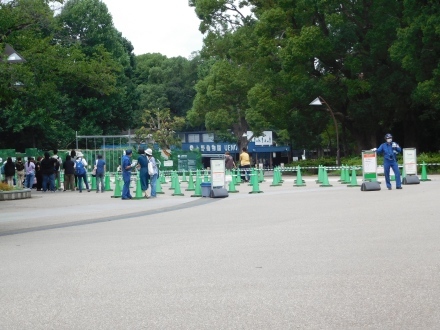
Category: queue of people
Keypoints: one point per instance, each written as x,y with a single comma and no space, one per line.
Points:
41,173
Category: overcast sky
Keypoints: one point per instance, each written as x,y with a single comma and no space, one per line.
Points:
169,27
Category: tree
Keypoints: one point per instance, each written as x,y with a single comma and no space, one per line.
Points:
160,126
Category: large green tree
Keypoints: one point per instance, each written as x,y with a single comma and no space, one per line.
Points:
296,50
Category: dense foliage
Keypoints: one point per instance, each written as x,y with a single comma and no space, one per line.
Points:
375,62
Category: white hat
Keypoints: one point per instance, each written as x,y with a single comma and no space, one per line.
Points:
149,152
79,154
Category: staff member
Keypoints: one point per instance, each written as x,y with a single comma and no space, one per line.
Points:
390,149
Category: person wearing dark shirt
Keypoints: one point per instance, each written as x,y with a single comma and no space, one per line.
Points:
9,171
48,171
69,173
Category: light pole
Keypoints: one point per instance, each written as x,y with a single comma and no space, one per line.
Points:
320,101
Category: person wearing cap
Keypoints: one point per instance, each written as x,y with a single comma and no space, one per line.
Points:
390,149
126,166
81,171
142,164
152,171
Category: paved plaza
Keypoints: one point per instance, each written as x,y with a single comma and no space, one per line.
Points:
288,258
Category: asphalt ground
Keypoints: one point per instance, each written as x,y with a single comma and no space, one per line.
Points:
288,258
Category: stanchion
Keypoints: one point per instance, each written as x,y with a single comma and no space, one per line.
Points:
177,191
299,182
353,182
255,184
118,190
198,188
139,194
325,182
190,182
275,179
107,182
424,175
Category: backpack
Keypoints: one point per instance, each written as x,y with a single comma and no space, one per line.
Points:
57,164
79,167
19,166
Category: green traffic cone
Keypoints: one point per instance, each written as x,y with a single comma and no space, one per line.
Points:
255,184
424,175
190,182
299,182
173,180
280,175
231,188
162,178
159,187
346,175
107,182
320,174
237,177
260,176
342,176
183,177
325,182
177,191
275,179
353,182
118,191
139,193
205,177
198,188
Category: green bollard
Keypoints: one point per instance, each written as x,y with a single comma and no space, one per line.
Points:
118,191
107,182
198,188
190,183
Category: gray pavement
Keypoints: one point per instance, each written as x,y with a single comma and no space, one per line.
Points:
288,258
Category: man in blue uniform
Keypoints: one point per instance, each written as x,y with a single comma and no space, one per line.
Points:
126,174
390,149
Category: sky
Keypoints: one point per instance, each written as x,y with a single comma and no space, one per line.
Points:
169,27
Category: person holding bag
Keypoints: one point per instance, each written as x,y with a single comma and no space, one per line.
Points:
152,171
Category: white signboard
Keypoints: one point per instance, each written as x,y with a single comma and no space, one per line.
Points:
168,163
369,162
410,161
218,172
264,140
369,165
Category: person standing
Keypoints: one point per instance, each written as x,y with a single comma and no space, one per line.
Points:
126,166
58,165
48,171
9,171
19,167
100,171
229,161
29,168
152,171
81,172
39,174
142,164
245,165
390,149
69,173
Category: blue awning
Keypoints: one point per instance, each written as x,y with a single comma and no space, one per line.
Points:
269,149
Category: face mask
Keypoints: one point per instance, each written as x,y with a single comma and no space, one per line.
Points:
389,140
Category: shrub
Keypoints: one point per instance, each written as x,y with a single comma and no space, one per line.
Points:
5,187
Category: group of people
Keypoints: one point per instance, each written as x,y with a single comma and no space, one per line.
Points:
245,163
148,172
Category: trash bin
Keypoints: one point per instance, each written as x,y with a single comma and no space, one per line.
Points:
206,189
